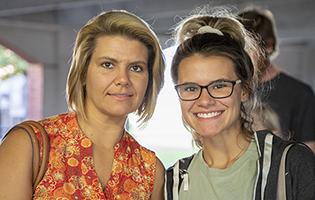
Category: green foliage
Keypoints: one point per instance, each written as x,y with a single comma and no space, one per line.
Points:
8,60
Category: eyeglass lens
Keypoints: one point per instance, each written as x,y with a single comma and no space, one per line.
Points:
193,91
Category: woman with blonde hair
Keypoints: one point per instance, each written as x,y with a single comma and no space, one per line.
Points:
117,68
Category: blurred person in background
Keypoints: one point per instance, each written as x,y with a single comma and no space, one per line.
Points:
292,100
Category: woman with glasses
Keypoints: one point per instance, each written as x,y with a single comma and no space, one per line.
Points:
215,76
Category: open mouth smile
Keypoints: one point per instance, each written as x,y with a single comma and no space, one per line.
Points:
208,115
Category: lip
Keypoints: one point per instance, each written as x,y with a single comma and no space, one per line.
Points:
120,96
208,115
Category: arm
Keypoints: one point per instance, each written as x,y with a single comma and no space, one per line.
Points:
157,193
16,166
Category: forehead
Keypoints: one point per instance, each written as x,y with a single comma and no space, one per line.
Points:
205,69
119,45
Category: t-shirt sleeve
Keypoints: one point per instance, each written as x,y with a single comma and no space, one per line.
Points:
304,121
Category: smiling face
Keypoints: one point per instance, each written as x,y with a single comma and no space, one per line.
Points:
117,77
206,115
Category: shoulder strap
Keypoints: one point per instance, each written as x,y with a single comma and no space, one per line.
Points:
174,177
281,191
38,169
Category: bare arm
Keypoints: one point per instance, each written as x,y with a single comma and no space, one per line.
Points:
16,166
158,189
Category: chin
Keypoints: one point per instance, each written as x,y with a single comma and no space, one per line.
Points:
213,134
208,133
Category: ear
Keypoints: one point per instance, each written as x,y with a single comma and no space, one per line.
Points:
244,94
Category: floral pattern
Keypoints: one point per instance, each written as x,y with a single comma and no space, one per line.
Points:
70,171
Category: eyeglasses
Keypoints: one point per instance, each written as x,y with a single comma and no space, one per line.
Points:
216,89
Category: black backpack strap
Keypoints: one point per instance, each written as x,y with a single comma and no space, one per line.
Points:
174,177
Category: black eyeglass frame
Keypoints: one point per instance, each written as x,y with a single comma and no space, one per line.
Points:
206,86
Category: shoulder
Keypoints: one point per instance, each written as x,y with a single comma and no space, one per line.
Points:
16,164
293,83
180,166
141,154
183,163
65,122
269,142
300,170
301,154
135,147
174,175
298,152
16,138
58,119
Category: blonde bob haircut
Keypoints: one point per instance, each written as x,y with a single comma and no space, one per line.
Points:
115,23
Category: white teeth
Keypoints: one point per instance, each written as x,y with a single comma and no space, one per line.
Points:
208,115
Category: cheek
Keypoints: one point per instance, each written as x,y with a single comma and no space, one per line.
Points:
141,85
96,82
185,107
90,77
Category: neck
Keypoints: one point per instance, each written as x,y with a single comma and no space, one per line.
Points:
270,73
222,152
102,133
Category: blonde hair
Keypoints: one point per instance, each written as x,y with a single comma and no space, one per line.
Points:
236,44
115,23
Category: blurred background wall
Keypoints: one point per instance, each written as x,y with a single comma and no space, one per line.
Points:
43,33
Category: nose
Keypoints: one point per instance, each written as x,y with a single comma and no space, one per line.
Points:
205,99
122,77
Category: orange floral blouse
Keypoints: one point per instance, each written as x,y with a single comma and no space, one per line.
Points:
70,171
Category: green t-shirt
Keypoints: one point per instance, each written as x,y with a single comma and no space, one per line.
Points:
236,182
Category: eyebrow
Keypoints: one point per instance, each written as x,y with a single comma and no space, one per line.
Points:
220,80
115,60
107,58
215,81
